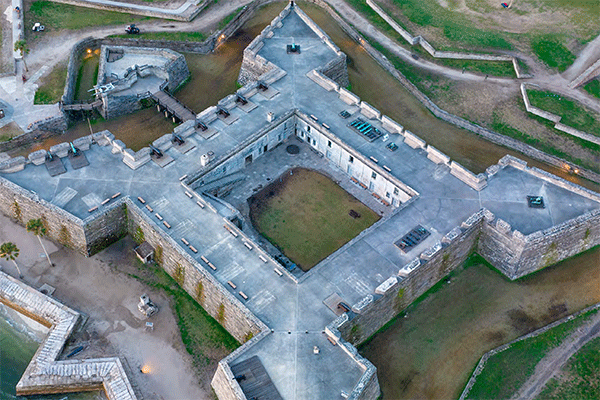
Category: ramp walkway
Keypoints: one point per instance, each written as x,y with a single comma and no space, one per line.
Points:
82,106
173,106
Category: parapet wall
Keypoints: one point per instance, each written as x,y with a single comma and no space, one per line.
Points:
195,280
411,281
22,205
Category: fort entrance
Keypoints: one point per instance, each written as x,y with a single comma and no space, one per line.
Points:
308,216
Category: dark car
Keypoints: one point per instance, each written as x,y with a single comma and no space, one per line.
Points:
132,29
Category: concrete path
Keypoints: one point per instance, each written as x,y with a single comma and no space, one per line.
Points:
553,362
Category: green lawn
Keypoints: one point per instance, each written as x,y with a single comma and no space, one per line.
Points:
551,51
52,85
306,217
593,87
580,378
57,16
573,114
507,371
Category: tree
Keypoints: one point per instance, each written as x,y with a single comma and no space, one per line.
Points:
21,45
36,226
10,251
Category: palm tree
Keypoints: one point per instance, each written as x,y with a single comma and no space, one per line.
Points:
21,45
36,226
10,251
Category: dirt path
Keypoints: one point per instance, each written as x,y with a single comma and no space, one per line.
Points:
589,55
552,363
554,82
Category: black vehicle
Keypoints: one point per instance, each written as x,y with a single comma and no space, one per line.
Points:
132,29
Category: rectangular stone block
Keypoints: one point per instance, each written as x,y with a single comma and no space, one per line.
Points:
369,111
83,143
60,150
37,157
348,97
391,125
437,156
414,141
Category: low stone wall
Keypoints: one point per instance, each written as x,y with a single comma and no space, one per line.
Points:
556,119
419,40
195,280
186,15
26,138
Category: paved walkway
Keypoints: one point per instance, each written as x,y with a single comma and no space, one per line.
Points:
553,362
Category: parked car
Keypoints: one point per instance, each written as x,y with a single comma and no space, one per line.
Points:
132,29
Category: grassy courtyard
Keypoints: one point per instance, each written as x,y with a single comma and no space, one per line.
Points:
306,215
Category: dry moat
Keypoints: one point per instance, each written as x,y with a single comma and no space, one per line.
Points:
308,216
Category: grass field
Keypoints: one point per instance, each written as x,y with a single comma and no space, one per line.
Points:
572,113
507,371
9,131
57,16
579,378
306,216
551,51
52,86
593,87
432,352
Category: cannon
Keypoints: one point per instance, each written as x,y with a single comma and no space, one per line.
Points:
177,139
223,112
155,151
262,86
74,149
241,99
146,306
201,125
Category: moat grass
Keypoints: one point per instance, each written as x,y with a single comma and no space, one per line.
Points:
432,352
306,215
52,86
87,76
573,114
507,371
201,334
579,378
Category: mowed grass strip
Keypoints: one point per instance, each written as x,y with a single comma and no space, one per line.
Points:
55,16
306,216
580,377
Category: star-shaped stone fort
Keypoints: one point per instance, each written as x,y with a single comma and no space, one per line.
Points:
298,328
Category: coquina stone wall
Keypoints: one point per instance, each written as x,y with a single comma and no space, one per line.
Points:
413,280
195,280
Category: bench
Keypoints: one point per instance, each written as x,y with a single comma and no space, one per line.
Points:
231,284
234,233
114,196
192,248
149,208
278,272
105,201
200,204
387,168
93,209
185,242
374,159
183,177
188,194
385,203
141,200
243,295
263,258
211,265
248,245
160,218
353,179
165,223
204,259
